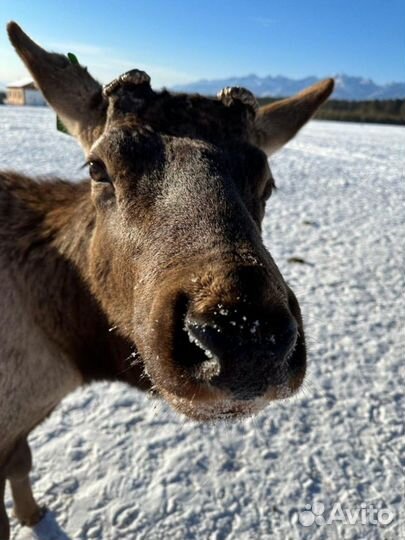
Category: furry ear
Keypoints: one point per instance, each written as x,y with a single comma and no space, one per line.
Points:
277,123
70,90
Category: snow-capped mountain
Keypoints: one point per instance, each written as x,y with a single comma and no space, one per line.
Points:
347,87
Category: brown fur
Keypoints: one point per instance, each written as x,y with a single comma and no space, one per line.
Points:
109,278
37,219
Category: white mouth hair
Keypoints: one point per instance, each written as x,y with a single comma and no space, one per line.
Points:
221,409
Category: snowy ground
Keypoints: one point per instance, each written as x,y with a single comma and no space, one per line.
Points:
112,464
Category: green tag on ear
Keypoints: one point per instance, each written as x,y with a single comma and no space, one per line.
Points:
73,58
60,126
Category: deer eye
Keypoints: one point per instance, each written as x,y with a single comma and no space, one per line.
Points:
98,172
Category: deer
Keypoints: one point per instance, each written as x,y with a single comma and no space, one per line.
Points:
153,270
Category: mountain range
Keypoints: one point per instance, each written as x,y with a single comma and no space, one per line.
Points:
346,87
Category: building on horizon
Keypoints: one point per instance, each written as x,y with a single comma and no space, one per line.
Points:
24,92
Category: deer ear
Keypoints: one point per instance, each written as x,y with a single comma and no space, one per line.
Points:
277,123
69,89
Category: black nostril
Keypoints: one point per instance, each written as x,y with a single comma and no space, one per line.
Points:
246,337
243,353
206,364
209,336
243,349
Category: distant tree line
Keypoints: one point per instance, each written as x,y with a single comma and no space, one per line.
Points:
389,111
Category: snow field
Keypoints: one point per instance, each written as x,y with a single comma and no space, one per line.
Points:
110,463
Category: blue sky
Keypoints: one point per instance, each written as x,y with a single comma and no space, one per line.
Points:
180,41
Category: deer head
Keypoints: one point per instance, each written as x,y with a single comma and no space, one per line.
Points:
179,185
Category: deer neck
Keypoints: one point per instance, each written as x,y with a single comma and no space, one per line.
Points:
45,234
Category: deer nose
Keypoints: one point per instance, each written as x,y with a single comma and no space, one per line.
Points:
244,354
220,340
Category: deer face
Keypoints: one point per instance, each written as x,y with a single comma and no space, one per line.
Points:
179,184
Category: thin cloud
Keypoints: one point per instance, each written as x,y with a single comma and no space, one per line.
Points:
105,63
77,48
160,75
265,22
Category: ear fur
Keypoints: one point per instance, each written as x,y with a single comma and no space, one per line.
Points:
69,89
277,123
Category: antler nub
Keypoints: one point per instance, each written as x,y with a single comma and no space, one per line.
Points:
230,94
135,76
